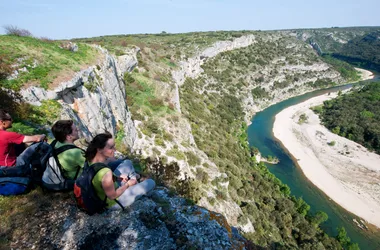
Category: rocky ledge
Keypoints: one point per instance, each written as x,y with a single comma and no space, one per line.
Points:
160,221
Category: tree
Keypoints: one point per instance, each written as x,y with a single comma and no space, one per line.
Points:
302,207
342,237
16,31
319,218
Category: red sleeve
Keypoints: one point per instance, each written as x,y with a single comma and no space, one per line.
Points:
14,137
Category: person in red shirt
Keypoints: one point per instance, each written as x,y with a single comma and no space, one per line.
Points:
8,140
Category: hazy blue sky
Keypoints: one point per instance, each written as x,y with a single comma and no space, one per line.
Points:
84,18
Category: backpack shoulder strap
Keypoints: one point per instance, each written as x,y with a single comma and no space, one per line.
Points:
53,143
64,148
97,167
56,152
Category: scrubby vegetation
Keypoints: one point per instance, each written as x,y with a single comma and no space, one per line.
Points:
39,62
29,119
356,116
346,70
164,47
142,98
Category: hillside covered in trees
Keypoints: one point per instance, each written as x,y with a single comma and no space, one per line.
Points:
357,45
356,116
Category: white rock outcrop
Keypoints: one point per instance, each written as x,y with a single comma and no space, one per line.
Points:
192,67
95,97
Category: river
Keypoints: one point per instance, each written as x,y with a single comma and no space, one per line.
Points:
260,135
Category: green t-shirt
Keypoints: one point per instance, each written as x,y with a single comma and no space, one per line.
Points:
97,182
70,160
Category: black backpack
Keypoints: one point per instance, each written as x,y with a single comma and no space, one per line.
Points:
53,176
84,191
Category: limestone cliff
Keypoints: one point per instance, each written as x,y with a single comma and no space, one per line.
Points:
192,66
95,98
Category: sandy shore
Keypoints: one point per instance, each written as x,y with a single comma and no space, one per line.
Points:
346,172
365,74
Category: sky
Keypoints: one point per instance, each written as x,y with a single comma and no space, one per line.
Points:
83,18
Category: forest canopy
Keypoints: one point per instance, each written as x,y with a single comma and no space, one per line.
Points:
356,116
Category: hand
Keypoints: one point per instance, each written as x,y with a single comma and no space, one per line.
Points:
123,178
132,182
43,138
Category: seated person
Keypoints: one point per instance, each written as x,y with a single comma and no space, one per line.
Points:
124,187
65,132
8,140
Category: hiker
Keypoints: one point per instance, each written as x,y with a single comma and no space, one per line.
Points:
8,141
123,183
65,132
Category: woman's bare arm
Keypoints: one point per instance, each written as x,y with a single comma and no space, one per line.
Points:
109,188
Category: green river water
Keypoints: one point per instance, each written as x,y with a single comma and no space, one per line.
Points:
260,135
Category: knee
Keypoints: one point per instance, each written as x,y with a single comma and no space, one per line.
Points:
150,183
126,164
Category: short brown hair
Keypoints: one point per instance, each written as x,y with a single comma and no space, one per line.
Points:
61,129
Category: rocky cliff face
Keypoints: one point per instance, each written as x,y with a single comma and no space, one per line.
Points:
95,98
183,134
160,221
192,66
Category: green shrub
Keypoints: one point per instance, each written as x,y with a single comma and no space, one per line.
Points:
128,78
202,176
331,143
211,200
302,119
176,153
317,109
260,93
192,159
23,129
167,136
159,141
156,151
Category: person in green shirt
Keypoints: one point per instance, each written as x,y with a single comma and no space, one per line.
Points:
65,132
121,185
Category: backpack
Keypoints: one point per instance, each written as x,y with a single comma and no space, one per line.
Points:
19,179
84,191
14,185
52,177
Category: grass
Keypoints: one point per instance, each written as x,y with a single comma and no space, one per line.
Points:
21,215
44,61
176,153
36,119
142,98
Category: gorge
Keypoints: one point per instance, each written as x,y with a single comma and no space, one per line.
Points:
188,98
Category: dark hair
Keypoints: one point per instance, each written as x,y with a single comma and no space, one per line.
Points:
61,129
4,115
99,142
